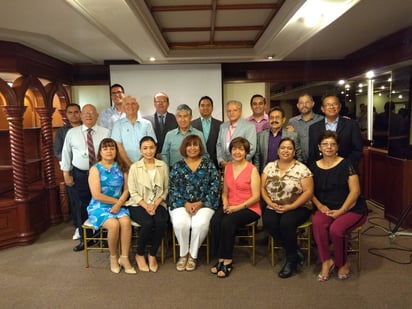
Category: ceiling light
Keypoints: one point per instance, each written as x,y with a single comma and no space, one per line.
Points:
152,59
341,82
370,74
269,57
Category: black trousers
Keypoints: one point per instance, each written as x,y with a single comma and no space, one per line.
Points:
223,229
81,195
152,228
282,227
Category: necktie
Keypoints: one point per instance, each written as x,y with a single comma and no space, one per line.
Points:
90,147
162,123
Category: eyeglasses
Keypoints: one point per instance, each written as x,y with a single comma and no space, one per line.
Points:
324,144
160,101
117,92
328,105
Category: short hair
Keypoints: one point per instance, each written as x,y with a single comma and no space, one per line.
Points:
328,134
129,97
240,142
277,108
184,108
328,95
191,139
238,103
287,139
205,98
73,104
306,95
116,85
257,96
109,142
147,138
161,94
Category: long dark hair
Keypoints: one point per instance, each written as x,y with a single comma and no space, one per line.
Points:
109,142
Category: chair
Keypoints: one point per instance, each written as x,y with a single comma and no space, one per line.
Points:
175,245
304,241
135,237
354,245
99,237
246,238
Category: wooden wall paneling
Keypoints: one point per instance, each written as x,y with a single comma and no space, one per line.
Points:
378,184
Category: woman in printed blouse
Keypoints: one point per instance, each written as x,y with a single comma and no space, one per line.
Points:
193,199
240,198
286,188
108,185
148,187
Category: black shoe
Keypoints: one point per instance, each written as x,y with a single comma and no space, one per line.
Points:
301,257
79,247
287,270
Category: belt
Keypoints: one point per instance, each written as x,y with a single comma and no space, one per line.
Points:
80,171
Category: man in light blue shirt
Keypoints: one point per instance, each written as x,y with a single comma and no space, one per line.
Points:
115,112
171,147
128,131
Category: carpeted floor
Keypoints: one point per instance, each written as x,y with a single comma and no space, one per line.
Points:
48,274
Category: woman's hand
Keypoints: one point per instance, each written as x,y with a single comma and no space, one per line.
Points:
151,209
282,208
192,208
335,213
115,208
324,209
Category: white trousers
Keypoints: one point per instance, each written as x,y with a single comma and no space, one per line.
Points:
190,230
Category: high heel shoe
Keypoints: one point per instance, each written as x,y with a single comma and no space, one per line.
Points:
130,270
153,266
323,278
113,260
141,265
216,268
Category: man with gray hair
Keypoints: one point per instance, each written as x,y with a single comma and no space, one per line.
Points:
236,126
173,139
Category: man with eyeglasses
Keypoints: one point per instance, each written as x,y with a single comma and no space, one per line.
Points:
268,140
162,121
350,138
115,112
301,123
259,118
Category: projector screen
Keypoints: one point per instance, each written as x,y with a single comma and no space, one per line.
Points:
184,84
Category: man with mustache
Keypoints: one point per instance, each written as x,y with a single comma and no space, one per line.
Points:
268,140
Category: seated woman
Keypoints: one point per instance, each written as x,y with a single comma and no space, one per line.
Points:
340,208
108,185
286,188
193,199
148,187
240,198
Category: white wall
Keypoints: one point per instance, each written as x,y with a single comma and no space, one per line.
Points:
99,96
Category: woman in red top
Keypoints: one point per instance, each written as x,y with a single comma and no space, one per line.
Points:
240,198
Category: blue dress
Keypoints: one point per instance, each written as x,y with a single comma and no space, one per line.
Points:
111,182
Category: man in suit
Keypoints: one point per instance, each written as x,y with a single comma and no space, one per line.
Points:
268,140
236,126
208,125
162,121
350,138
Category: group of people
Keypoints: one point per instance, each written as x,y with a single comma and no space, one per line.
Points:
207,175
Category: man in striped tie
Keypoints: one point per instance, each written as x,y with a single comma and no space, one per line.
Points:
79,153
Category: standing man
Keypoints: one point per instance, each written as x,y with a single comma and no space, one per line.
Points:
259,117
128,131
115,112
236,126
350,139
79,153
162,121
208,125
268,140
303,121
171,147
73,118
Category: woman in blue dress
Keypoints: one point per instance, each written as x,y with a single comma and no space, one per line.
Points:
108,185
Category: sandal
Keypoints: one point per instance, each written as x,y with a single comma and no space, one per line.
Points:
226,269
181,263
344,276
323,278
191,264
216,268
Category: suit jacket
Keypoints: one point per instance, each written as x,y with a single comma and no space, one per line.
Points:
244,129
170,124
261,155
350,140
213,135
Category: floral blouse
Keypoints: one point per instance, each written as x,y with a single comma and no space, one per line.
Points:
285,189
186,185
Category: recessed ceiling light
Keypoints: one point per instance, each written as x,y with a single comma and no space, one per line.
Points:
152,59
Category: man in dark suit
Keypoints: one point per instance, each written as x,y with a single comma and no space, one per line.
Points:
162,121
350,139
208,125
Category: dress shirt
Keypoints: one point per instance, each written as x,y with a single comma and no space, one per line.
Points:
273,146
206,123
109,116
302,128
173,140
261,124
130,134
75,146
331,126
